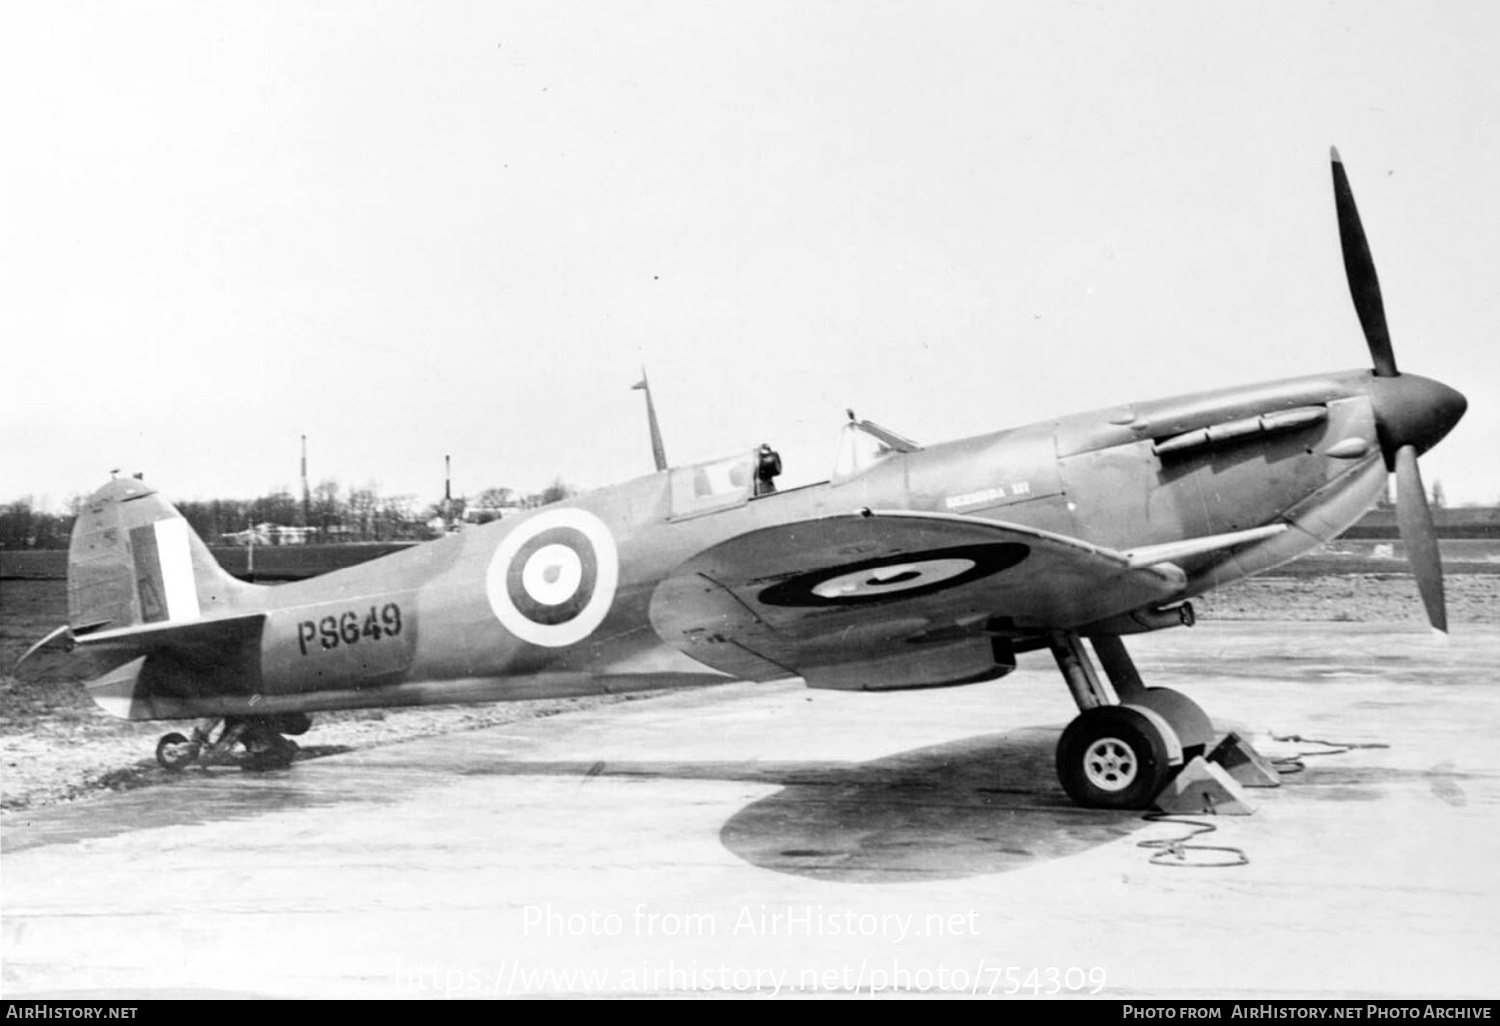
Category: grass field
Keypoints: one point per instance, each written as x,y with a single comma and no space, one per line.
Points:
271,563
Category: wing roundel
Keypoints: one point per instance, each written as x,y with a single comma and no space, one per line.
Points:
899,576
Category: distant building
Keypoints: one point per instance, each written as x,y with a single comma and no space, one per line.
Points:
268,534
441,525
484,514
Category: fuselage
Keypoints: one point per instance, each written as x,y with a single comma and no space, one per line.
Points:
431,624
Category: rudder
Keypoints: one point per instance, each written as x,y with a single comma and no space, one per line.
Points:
133,559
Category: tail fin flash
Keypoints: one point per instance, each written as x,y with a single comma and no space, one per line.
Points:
133,559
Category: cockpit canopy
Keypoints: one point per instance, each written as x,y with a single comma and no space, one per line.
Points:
724,483
863,444
734,480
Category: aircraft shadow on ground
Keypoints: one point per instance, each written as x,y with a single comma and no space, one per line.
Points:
978,806
981,805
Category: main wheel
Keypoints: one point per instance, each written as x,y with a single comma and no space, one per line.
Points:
174,751
1113,757
1188,720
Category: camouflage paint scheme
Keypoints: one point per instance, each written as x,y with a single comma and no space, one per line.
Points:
910,567
1093,489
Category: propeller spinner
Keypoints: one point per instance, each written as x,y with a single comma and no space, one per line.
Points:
1412,413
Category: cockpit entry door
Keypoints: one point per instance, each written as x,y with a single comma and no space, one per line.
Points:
713,486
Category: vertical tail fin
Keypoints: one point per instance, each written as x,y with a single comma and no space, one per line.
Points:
133,559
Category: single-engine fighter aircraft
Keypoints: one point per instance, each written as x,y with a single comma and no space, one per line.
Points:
911,567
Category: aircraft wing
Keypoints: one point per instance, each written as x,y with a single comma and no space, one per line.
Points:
891,599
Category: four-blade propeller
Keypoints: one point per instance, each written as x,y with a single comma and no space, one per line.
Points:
1411,412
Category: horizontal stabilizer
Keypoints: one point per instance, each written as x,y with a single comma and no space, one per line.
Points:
205,636
58,657
62,638
131,671
151,671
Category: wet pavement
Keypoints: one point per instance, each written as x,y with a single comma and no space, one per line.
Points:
775,840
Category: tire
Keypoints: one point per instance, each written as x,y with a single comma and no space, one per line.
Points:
278,755
293,724
1113,757
1191,724
169,754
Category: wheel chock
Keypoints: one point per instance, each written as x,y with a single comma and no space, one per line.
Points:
1247,766
1203,787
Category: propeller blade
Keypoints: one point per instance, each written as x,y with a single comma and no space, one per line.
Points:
1414,519
1359,268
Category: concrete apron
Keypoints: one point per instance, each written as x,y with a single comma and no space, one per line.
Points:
775,840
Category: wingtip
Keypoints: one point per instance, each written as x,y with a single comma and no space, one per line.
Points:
1333,155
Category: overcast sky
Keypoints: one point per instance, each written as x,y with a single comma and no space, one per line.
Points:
412,229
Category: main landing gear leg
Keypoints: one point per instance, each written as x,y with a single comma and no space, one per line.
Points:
1132,747
1111,756
1194,729
1128,740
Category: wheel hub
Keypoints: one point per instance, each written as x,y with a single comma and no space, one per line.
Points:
1110,764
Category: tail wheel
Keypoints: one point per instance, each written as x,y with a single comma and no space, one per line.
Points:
174,751
1113,757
